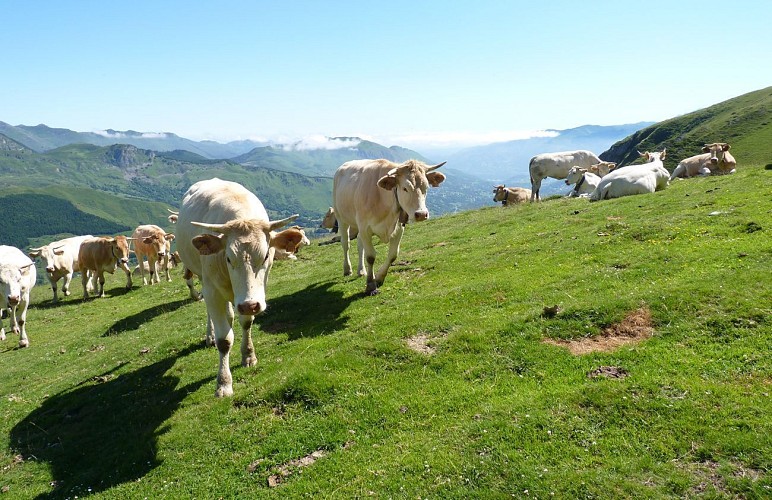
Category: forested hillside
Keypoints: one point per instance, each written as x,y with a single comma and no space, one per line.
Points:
745,122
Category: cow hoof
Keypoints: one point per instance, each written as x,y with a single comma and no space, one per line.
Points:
224,391
209,342
250,361
66,293
346,273
372,289
24,343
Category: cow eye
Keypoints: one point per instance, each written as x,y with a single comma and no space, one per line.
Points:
404,189
228,260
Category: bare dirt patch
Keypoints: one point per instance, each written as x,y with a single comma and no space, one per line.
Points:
634,328
420,343
608,372
285,470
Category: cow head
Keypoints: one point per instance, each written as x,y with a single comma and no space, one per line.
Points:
650,157
575,175
48,255
119,246
716,150
499,193
11,283
410,181
329,220
603,168
246,248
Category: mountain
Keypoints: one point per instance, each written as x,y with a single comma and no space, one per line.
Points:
745,122
42,138
324,160
507,162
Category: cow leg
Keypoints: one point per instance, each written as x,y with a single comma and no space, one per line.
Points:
166,267
361,252
221,317
344,243
127,271
535,186
248,357
369,254
22,323
101,290
2,315
187,275
394,241
142,269
66,284
84,278
53,287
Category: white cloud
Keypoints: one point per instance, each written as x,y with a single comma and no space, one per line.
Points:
113,134
316,142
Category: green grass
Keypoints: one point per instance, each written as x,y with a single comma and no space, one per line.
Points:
115,395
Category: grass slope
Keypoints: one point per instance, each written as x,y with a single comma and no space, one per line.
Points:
745,122
115,396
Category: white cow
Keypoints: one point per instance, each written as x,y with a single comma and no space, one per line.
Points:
61,261
377,198
584,180
635,179
224,237
715,159
557,165
17,277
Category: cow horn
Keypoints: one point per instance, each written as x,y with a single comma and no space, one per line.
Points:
217,228
172,212
274,225
26,266
435,167
36,249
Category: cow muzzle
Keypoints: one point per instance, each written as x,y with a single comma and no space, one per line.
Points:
714,160
250,307
50,270
13,300
421,215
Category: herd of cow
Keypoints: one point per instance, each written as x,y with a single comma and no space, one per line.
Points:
600,180
224,235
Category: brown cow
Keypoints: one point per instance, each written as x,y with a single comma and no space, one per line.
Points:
715,159
510,195
151,243
97,255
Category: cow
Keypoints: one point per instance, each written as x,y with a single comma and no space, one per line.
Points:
715,159
329,221
583,180
61,261
152,243
377,198
103,254
173,216
224,236
557,165
174,261
510,195
296,238
17,277
635,179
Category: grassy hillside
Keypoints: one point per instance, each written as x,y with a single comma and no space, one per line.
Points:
440,386
745,122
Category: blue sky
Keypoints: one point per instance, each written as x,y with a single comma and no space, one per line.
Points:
413,73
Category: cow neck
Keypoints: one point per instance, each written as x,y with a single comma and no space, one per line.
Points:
579,184
403,217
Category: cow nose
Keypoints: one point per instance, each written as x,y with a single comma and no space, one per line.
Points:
124,260
13,300
421,215
50,269
250,307
714,160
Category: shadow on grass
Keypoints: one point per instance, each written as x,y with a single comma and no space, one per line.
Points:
134,321
313,311
95,437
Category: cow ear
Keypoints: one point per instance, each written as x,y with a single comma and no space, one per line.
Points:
209,244
705,149
663,155
58,251
287,240
435,178
387,182
169,236
726,147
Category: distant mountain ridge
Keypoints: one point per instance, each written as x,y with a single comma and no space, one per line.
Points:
41,138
